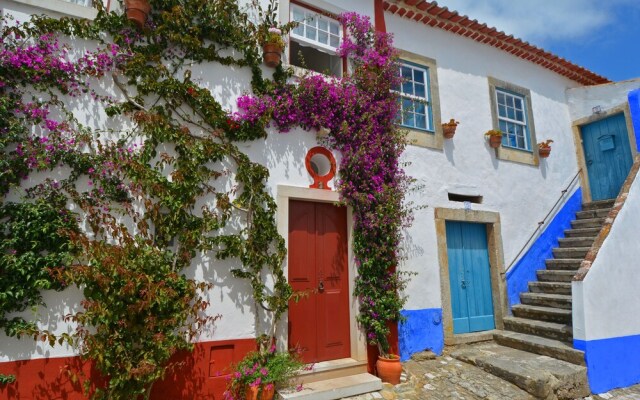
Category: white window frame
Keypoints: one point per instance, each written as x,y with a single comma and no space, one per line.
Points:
310,42
524,123
428,106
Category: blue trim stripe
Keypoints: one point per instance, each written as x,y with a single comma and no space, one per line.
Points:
524,271
421,331
611,363
634,105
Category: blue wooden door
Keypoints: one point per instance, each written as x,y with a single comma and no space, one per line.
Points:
469,277
607,154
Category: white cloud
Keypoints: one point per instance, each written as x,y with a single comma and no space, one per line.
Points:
541,21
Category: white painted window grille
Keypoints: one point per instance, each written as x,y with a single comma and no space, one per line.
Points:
315,41
415,101
512,119
86,3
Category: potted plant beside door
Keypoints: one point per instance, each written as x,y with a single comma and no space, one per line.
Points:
272,46
261,372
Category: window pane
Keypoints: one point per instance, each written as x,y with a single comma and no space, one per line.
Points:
511,114
418,76
298,15
409,119
501,99
407,87
406,73
311,33
510,101
518,103
502,111
420,92
323,37
407,105
419,107
334,42
519,116
323,25
334,28
421,121
503,126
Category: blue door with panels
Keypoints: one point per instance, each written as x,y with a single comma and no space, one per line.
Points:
608,155
469,277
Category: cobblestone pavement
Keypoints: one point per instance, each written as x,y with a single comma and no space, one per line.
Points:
445,378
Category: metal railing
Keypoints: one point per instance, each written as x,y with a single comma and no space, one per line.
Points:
544,220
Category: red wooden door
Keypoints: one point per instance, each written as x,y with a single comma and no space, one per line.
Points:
319,323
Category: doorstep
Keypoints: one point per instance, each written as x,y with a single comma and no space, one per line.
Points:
331,369
336,388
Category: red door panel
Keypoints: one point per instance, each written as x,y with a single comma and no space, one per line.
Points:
318,259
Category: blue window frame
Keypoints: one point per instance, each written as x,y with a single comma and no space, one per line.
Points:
512,119
415,97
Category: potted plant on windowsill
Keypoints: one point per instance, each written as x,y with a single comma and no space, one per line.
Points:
261,372
495,138
449,128
544,148
137,11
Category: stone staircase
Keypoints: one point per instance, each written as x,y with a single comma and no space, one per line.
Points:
535,349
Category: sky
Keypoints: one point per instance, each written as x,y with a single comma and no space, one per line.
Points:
600,35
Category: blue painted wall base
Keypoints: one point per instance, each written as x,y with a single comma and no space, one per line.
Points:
421,331
611,363
524,271
634,106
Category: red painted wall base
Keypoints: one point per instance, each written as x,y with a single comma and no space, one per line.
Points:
198,375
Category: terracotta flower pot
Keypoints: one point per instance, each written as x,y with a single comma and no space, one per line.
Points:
389,369
448,131
271,53
137,11
266,394
495,141
544,152
449,128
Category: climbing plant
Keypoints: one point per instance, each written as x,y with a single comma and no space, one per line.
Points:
123,170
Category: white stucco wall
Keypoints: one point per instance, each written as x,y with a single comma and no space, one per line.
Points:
522,194
583,99
605,304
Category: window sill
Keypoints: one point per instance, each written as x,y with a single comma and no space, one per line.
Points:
431,140
517,155
62,7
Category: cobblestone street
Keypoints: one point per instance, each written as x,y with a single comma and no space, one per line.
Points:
445,378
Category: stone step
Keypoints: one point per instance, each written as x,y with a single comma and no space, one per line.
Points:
555,275
549,314
567,264
583,232
587,223
596,205
570,252
551,330
541,376
603,212
575,242
333,389
540,345
547,300
550,287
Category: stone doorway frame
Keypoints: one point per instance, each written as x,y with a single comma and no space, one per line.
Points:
496,268
577,140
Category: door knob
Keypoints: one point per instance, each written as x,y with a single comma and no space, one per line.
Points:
463,283
321,286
